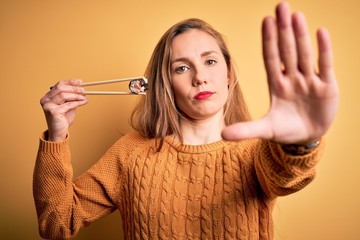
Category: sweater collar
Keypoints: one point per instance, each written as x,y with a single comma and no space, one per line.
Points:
194,148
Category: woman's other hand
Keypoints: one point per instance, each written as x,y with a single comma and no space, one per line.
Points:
303,102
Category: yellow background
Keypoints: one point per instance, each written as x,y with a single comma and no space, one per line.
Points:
44,41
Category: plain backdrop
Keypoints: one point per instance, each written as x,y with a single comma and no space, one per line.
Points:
44,41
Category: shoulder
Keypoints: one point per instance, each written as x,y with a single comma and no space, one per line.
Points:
132,137
133,142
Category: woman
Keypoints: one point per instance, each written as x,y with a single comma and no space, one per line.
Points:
175,177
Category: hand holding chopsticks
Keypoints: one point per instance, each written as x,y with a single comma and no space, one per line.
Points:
137,85
59,104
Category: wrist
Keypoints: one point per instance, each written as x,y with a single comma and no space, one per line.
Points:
54,138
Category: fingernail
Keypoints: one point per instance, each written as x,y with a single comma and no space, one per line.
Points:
77,81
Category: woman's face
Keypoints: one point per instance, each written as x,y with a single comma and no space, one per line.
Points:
199,75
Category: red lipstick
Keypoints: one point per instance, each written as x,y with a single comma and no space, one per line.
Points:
203,95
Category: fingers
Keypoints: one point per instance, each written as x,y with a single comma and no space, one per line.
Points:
62,98
59,106
271,53
326,60
303,44
64,91
247,130
286,44
71,103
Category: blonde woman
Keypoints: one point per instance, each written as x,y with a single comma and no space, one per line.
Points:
175,177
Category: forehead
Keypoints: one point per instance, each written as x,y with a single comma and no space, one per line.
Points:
193,41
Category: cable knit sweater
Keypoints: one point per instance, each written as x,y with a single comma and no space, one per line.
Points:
223,190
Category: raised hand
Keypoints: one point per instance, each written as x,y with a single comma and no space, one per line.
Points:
59,106
303,102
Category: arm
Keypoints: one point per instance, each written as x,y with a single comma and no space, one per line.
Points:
280,173
64,206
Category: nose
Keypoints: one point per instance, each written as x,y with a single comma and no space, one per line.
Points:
199,77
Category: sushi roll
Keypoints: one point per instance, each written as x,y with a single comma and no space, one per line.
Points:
138,86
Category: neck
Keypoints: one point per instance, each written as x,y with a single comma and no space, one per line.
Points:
199,132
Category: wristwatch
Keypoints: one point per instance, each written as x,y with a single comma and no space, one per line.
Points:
300,149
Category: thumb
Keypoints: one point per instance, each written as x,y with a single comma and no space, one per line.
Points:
246,130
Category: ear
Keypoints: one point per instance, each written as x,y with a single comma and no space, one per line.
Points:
230,80
229,74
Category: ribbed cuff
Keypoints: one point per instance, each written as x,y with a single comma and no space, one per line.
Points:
307,160
52,147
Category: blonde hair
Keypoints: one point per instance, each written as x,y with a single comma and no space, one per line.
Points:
156,114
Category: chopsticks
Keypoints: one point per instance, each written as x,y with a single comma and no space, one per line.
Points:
131,79
112,93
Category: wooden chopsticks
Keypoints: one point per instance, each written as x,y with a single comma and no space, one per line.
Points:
132,79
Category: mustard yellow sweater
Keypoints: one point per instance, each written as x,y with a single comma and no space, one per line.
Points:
223,190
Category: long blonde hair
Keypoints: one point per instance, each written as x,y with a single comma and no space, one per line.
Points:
156,114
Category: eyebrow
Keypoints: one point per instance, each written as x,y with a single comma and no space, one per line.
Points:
204,54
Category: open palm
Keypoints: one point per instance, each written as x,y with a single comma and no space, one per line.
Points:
303,102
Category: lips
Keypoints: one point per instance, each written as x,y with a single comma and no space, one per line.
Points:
203,95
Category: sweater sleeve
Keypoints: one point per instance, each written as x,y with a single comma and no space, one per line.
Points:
65,206
281,174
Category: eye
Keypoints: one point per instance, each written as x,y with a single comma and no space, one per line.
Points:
182,69
210,62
